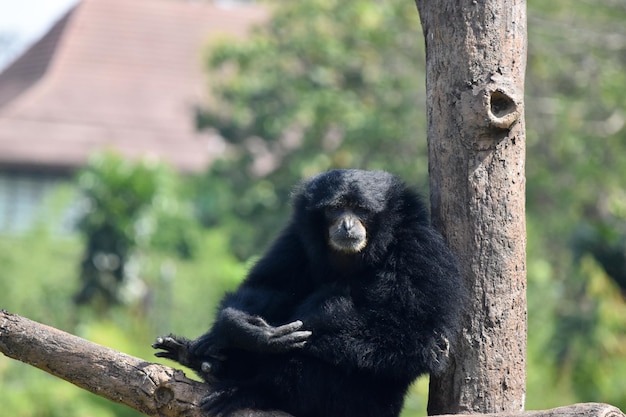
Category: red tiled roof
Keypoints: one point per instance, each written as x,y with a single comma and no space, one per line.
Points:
117,74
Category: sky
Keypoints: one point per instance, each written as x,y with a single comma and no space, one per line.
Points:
23,22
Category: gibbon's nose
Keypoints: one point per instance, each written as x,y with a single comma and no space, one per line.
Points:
347,224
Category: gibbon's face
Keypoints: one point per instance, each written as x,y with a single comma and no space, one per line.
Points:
347,206
346,229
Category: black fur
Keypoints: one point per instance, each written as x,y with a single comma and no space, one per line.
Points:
371,322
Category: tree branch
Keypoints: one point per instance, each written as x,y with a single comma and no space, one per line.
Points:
575,410
150,388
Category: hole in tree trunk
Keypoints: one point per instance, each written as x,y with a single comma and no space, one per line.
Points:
501,104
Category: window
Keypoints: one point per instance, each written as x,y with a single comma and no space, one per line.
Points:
23,198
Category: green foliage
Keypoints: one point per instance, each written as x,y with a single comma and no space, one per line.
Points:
129,205
325,84
576,202
117,190
596,347
179,293
325,75
333,84
186,291
340,84
27,392
37,280
37,273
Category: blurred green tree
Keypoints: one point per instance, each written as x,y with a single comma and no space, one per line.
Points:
325,84
181,288
127,205
576,201
340,84
330,84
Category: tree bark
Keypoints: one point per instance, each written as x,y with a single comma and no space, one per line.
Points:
475,62
150,388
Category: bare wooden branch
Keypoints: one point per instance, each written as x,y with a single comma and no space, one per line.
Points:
150,388
575,410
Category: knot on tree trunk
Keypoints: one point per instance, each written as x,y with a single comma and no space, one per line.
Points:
488,112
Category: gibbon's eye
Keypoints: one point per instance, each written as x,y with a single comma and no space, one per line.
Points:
361,212
332,212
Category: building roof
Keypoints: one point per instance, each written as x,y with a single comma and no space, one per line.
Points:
118,74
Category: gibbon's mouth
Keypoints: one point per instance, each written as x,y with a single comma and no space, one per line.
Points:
348,244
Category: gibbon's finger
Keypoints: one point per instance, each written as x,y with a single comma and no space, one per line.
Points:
166,355
257,321
287,328
292,340
166,343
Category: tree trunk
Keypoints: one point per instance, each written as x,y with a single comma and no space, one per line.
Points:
475,62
